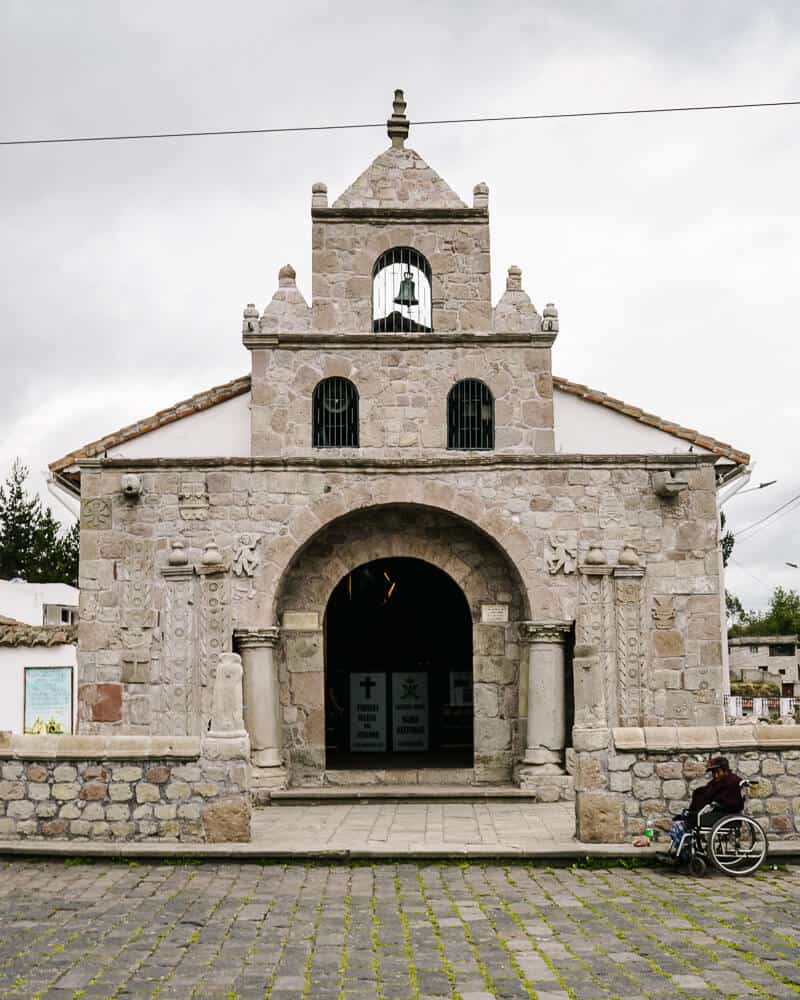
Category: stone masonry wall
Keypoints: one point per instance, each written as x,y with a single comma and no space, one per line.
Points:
119,794
620,790
345,250
402,397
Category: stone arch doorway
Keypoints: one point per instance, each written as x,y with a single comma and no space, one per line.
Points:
398,668
471,560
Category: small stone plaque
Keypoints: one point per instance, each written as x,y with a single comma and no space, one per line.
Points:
301,621
494,614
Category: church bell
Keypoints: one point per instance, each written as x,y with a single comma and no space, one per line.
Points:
407,296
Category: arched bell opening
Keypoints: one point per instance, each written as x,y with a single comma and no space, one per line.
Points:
401,292
398,669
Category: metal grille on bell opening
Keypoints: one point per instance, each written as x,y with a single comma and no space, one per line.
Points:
401,292
335,414
470,415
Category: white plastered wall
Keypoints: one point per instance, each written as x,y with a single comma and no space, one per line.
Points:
13,660
220,431
586,428
24,602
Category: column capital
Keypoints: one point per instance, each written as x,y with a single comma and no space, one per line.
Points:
253,638
549,631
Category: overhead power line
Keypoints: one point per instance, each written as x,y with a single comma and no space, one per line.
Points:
775,515
416,124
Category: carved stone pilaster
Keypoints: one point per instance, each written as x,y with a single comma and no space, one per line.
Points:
180,690
631,686
595,627
214,634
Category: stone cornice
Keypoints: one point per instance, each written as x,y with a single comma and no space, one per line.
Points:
409,465
15,746
664,739
387,216
253,638
548,631
393,341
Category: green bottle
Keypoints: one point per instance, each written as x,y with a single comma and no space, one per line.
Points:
648,829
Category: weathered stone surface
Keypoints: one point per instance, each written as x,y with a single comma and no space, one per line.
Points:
227,820
599,818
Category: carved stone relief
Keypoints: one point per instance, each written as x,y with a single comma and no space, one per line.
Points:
561,553
595,627
193,500
138,612
245,558
180,708
96,514
663,611
612,511
215,634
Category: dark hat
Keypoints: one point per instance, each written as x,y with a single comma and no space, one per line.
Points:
718,764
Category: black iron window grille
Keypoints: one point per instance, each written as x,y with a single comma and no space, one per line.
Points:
470,415
335,414
401,292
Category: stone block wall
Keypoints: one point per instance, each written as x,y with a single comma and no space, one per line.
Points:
127,789
151,633
649,774
344,251
402,396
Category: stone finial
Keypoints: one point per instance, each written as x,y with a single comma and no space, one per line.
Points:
480,195
514,279
177,555
319,195
398,125
250,318
550,319
286,276
211,554
628,556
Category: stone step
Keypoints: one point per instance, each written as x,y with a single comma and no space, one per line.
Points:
342,794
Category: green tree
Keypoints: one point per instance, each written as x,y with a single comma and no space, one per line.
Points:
33,544
726,541
781,618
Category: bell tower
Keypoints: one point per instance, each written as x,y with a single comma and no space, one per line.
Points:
401,314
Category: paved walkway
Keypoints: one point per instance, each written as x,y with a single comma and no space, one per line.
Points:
393,828
391,931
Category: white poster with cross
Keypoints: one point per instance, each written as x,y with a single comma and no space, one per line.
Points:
368,712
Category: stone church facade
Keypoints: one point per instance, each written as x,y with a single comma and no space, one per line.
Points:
401,512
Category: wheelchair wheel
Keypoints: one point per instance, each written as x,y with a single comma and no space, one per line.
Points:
697,866
737,845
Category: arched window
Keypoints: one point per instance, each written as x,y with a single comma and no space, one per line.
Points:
335,414
401,292
470,415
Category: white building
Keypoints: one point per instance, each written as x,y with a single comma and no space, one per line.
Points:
38,663
766,658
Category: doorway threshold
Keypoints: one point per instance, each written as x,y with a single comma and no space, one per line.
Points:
428,793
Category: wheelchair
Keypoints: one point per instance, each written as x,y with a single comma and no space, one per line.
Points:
735,844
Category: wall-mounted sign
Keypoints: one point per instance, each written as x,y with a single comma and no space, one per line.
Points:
367,712
48,700
494,614
410,711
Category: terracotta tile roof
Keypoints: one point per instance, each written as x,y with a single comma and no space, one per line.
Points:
9,621
686,433
19,634
186,407
239,386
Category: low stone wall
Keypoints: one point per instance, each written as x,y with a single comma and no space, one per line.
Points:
122,788
650,774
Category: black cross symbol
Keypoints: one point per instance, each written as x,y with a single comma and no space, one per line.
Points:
368,684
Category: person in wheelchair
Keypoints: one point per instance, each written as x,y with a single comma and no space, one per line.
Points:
723,793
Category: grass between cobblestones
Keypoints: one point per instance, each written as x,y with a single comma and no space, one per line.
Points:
398,930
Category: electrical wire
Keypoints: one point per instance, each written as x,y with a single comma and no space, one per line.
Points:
791,504
416,124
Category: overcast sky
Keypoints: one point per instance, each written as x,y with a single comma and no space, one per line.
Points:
668,242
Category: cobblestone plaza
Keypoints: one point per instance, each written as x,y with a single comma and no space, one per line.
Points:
395,931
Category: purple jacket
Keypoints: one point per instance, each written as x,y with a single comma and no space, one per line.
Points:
726,792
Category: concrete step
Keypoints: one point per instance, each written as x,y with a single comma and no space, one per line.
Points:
343,794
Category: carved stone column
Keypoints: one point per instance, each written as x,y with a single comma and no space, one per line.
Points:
261,694
547,710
